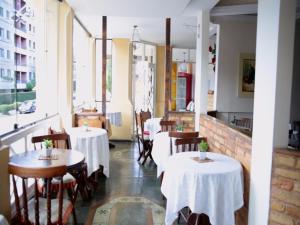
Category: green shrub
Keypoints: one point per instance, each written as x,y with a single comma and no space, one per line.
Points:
4,109
9,98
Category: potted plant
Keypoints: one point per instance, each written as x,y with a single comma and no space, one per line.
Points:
179,128
203,147
48,145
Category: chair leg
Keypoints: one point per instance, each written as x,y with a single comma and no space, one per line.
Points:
72,199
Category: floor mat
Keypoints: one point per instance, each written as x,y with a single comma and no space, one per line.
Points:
129,211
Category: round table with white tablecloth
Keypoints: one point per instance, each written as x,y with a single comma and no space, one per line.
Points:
152,125
212,187
94,145
161,150
3,221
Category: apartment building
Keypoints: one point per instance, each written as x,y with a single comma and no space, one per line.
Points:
17,44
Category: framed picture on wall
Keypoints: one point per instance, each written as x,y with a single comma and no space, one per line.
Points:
246,75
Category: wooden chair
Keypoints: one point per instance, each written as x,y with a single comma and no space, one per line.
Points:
137,133
188,144
198,219
167,125
146,142
40,210
176,134
59,140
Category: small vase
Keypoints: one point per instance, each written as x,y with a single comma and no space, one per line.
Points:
48,152
85,127
202,155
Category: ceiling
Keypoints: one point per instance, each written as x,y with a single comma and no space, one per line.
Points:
150,16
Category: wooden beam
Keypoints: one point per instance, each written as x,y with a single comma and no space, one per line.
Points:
168,67
104,40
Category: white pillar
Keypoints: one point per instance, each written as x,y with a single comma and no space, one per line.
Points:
201,83
274,58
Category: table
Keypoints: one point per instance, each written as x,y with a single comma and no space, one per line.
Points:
30,159
3,221
161,150
214,188
94,145
74,160
153,126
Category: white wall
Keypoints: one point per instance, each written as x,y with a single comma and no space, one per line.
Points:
295,100
237,35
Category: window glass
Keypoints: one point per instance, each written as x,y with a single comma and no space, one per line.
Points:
99,70
24,89
82,85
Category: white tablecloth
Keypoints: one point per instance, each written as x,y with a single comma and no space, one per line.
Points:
153,126
161,150
94,145
214,188
3,221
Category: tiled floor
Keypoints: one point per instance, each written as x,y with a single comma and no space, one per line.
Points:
127,178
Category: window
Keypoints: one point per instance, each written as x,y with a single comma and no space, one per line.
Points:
7,35
29,43
29,27
2,74
99,70
7,14
1,52
29,82
82,82
1,32
33,45
1,11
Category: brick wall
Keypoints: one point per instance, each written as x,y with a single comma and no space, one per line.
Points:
285,190
226,140
187,119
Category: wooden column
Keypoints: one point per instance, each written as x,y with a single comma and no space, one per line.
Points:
104,37
168,67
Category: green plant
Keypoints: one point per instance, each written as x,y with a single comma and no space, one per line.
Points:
179,127
48,143
203,146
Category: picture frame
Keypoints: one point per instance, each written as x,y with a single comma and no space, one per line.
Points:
246,75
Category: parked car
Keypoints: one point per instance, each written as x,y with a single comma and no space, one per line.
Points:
27,106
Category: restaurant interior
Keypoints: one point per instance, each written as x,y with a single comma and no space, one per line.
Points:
139,112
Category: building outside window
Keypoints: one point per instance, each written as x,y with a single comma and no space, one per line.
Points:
8,35
2,73
8,54
1,32
1,11
1,52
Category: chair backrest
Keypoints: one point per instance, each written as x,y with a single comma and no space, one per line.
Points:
137,123
57,140
89,110
168,125
188,144
47,173
176,134
143,117
94,119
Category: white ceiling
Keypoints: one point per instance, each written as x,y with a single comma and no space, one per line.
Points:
149,15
